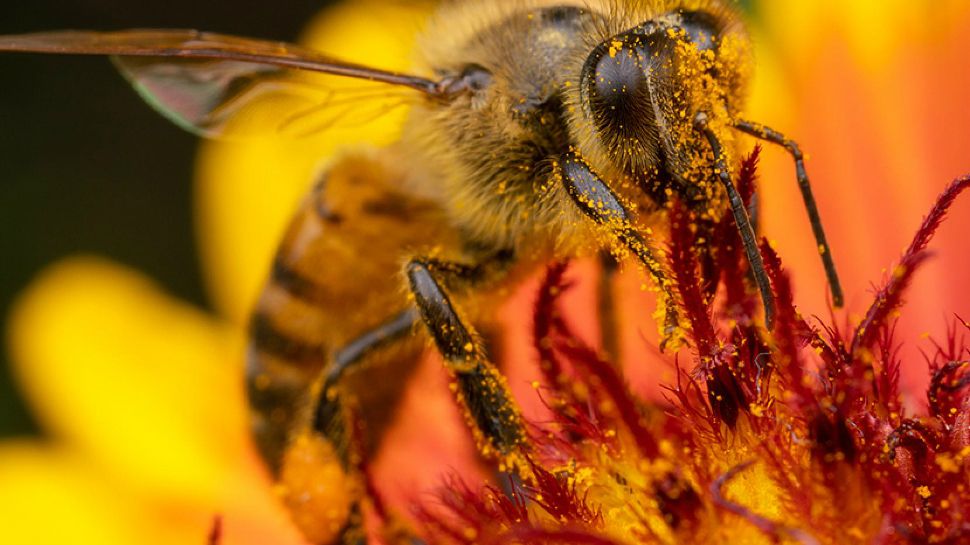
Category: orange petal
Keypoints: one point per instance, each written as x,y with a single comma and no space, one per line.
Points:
427,442
873,92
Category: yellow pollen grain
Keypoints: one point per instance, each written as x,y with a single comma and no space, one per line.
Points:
947,463
923,491
615,47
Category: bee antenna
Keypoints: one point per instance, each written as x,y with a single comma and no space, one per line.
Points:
741,218
770,135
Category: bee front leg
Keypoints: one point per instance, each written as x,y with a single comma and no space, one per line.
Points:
748,237
805,186
598,202
482,390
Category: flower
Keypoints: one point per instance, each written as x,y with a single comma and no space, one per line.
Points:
142,397
872,91
764,451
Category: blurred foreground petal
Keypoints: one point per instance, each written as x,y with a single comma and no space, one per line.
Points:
143,397
51,497
145,384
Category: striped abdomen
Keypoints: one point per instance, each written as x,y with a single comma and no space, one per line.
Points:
335,277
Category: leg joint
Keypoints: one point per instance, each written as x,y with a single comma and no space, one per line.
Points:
455,341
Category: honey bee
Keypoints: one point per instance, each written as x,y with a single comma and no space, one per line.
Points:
540,130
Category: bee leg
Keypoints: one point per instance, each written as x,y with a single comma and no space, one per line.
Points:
748,238
354,352
328,418
597,201
335,433
481,388
775,137
607,306
332,453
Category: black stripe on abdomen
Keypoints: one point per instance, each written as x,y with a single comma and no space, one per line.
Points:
298,286
268,339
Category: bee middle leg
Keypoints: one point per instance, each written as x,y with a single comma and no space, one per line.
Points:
481,388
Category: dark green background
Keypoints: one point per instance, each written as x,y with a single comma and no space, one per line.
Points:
85,166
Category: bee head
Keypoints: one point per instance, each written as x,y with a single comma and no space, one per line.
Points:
640,91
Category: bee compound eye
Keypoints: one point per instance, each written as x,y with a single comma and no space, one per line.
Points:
615,86
701,29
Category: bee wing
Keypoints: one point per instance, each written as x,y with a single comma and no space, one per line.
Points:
205,82
230,99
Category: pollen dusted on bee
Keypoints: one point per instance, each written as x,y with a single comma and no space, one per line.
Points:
316,489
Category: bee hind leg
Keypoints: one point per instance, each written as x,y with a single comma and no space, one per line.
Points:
329,418
482,390
324,477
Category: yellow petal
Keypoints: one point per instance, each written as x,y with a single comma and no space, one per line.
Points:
147,386
54,496
246,191
50,497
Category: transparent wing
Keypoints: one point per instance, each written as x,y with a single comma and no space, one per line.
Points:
215,84
229,99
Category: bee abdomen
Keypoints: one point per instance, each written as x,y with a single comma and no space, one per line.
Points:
292,333
289,335
268,340
334,285
277,396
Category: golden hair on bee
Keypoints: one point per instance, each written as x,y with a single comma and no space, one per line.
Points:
528,57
